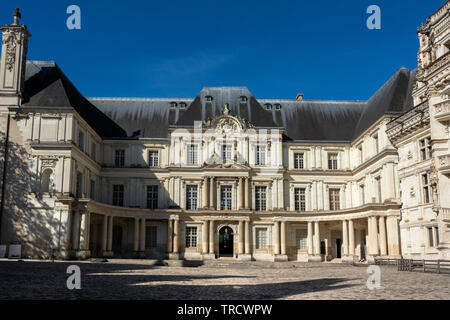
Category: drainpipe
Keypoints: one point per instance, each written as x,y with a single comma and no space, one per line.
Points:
5,166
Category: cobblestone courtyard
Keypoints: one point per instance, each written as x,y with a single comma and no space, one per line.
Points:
46,280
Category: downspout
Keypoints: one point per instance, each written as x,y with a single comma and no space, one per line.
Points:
5,166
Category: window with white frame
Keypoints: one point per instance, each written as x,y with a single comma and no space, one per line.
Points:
81,140
226,152
360,154
425,148
301,237
151,237
378,185
261,238
152,197
332,161
192,154
225,197
118,191
46,180
334,199
426,187
376,143
361,194
260,198
299,160
260,156
191,198
300,199
79,185
120,158
92,190
153,158
191,237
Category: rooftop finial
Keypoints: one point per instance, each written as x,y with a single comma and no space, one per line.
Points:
17,16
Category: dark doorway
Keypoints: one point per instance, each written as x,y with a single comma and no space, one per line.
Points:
226,242
338,248
117,240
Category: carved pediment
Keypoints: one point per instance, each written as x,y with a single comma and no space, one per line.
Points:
227,123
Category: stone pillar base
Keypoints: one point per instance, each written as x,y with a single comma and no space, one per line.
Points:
348,259
371,259
107,254
245,257
314,258
280,258
174,256
209,256
79,254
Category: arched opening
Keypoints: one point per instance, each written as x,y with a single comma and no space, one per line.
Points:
226,242
46,180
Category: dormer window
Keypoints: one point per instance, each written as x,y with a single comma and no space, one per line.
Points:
268,106
182,105
244,99
277,106
173,105
209,99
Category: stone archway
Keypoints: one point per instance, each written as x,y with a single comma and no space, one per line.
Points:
226,242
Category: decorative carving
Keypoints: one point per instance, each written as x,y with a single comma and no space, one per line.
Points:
412,192
48,162
410,155
11,46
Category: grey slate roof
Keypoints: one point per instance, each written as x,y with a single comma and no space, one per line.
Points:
333,121
46,86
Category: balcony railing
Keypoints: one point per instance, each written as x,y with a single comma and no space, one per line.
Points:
442,111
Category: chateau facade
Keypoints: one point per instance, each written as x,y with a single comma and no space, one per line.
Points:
225,174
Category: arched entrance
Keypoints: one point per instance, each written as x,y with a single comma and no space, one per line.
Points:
226,242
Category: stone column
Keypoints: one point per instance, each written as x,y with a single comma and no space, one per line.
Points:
316,238
383,241
310,239
205,193
351,237
136,235
211,193
345,236
176,232
169,235
211,237
247,237
85,231
241,238
246,194
76,231
276,238
205,237
142,236
110,233
373,239
240,194
283,238
104,233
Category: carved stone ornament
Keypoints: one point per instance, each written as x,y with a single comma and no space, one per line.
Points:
227,123
49,162
11,45
412,192
410,155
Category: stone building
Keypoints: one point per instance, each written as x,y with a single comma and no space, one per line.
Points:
223,174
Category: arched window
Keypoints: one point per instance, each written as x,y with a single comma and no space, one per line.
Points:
46,180
277,106
268,106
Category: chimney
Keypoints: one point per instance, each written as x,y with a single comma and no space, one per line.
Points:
300,97
13,61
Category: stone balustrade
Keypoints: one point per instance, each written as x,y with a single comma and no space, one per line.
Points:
442,111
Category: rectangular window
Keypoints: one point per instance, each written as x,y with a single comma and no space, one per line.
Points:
302,239
153,160
334,199
425,148
225,198
192,155
361,194
261,238
191,197
191,237
376,143
118,195
360,153
430,237
426,187
378,183
299,161
332,161
81,140
94,151
226,152
260,198
92,189
152,197
151,237
120,158
79,190
260,157
300,199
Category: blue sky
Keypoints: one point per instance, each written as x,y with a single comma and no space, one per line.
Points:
276,48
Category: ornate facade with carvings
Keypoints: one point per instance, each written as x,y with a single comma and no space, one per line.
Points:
222,174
